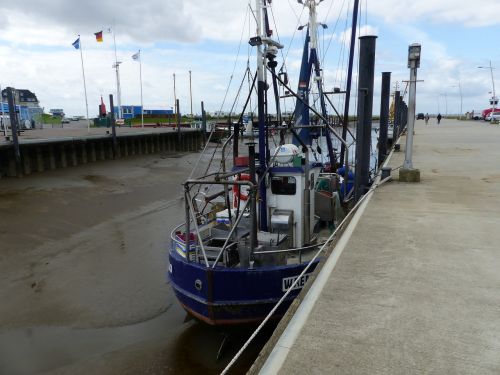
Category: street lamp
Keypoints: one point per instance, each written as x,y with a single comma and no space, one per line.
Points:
445,104
461,99
411,174
494,100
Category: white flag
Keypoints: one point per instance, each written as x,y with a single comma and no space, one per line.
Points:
136,56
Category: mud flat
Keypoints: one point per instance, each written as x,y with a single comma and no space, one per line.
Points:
83,260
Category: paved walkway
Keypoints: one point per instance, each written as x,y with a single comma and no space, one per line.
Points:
417,287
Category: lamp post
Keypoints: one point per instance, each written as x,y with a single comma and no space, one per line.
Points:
494,100
408,173
190,94
461,98
445,103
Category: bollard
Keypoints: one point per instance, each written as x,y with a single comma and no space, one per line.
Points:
113,125
386,172
14,127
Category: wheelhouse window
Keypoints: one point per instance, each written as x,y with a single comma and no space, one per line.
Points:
283,185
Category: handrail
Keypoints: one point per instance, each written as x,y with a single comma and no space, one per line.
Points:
174,231
309,247
197,182
190,203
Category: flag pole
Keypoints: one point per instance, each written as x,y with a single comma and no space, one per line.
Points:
117,68
140,78
84,85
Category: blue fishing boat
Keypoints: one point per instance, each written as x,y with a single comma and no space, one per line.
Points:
253,225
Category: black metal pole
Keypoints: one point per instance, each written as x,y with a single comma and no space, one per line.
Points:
401,115
14,126
113,125
203,122
384,116
365,109
253,203
397,105
349,77
178,120
359,181
404,119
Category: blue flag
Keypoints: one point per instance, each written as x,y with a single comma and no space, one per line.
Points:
76,43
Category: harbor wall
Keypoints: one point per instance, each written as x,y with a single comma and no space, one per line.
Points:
39,155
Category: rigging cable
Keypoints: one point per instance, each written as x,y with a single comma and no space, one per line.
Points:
222,105
333,31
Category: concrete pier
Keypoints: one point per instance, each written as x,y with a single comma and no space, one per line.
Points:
413,286
48,149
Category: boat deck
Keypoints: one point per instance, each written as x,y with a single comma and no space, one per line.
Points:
416,287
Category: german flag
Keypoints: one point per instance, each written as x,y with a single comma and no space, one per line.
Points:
98,36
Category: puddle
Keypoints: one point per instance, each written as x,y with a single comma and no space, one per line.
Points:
37,349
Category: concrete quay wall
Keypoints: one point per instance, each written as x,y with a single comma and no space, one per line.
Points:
42,154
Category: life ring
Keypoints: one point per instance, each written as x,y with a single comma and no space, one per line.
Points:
237,193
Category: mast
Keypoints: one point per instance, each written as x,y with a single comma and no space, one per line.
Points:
116,66
265,47
261,85
349,81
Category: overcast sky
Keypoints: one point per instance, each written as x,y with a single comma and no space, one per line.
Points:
203,36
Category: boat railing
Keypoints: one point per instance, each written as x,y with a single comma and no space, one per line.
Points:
299,250
191,251
184,246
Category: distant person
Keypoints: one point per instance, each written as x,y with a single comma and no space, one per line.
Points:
439,117
426,119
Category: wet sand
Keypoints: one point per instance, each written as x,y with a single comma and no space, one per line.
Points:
83,260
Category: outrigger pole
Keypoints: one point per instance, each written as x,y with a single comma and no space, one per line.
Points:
315,62
310,61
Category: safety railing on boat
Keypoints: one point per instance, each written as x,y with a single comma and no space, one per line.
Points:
183,245
299,250
191,250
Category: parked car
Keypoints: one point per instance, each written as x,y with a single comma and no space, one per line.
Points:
75,118
476,115
494,117
420,116
65,121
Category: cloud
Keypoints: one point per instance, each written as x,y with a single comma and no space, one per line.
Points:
200,35
471,14
135,20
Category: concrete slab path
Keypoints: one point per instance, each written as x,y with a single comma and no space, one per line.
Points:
417,288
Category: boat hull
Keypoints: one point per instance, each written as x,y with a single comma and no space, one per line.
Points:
229,296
